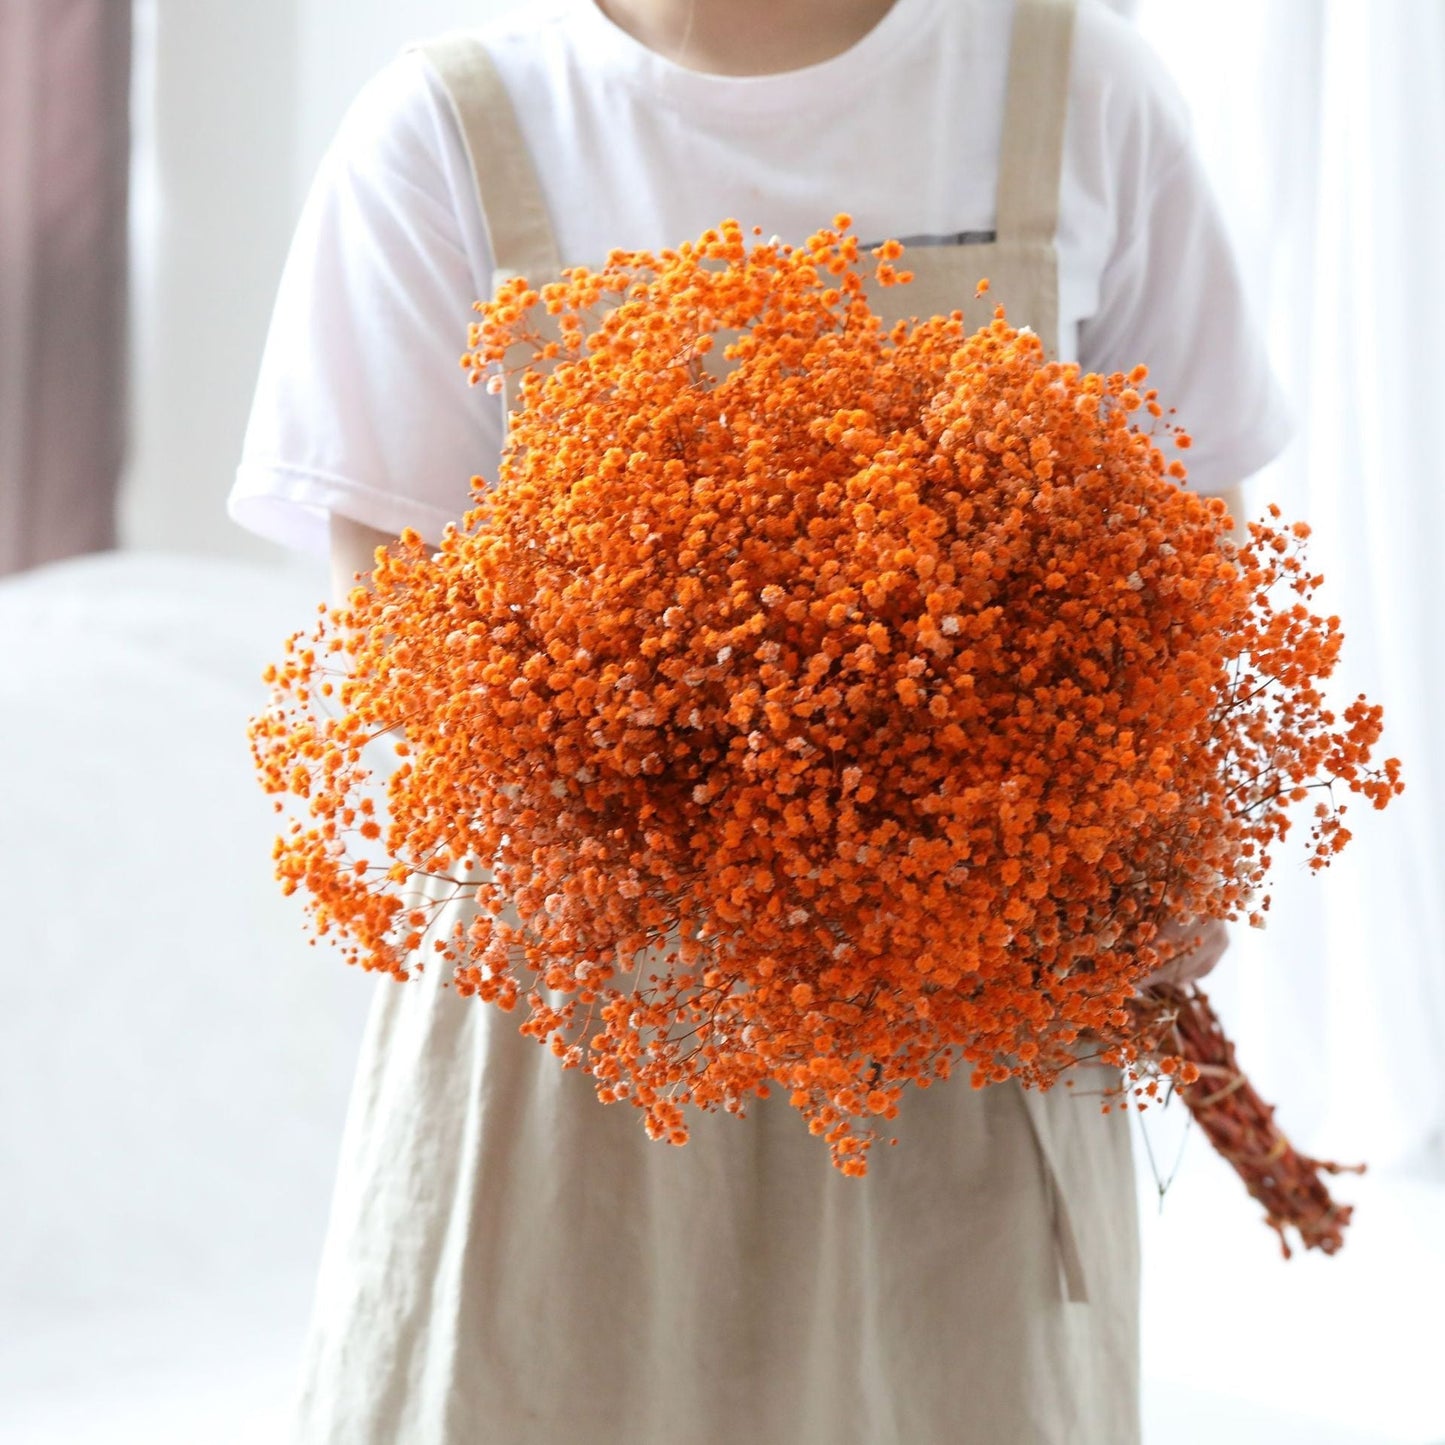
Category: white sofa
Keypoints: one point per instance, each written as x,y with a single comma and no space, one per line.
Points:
174,1058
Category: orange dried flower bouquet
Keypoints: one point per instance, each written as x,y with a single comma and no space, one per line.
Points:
811,704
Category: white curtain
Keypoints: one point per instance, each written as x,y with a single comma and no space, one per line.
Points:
1323,125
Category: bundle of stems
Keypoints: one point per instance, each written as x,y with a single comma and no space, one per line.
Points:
1240,1125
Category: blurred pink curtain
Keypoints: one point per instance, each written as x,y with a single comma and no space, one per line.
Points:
64,165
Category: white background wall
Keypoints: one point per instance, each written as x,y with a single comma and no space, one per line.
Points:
234,106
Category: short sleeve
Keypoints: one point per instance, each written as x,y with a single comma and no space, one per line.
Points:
1171,297
361,406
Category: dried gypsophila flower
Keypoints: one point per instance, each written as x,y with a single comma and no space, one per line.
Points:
827,703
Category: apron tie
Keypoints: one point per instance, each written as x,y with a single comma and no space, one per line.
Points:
1066,1236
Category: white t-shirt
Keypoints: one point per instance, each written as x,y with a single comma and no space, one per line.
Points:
362,409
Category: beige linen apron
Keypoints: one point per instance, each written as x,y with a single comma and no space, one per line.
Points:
508,1260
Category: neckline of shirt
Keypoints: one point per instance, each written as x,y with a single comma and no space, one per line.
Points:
745,97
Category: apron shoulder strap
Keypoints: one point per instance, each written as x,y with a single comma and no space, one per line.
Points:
513,209
1036,104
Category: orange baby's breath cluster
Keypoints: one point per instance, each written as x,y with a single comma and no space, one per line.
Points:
811,704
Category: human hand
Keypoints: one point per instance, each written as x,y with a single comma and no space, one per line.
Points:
1191,965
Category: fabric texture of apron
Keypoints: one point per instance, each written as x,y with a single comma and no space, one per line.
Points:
508,1260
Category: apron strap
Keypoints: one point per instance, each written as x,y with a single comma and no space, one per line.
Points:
1036,104
513,209
1030,164
1066,1235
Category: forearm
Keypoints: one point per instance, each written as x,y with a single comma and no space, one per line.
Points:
353,550
1233,498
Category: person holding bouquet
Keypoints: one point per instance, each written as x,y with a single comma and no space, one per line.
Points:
507,1259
